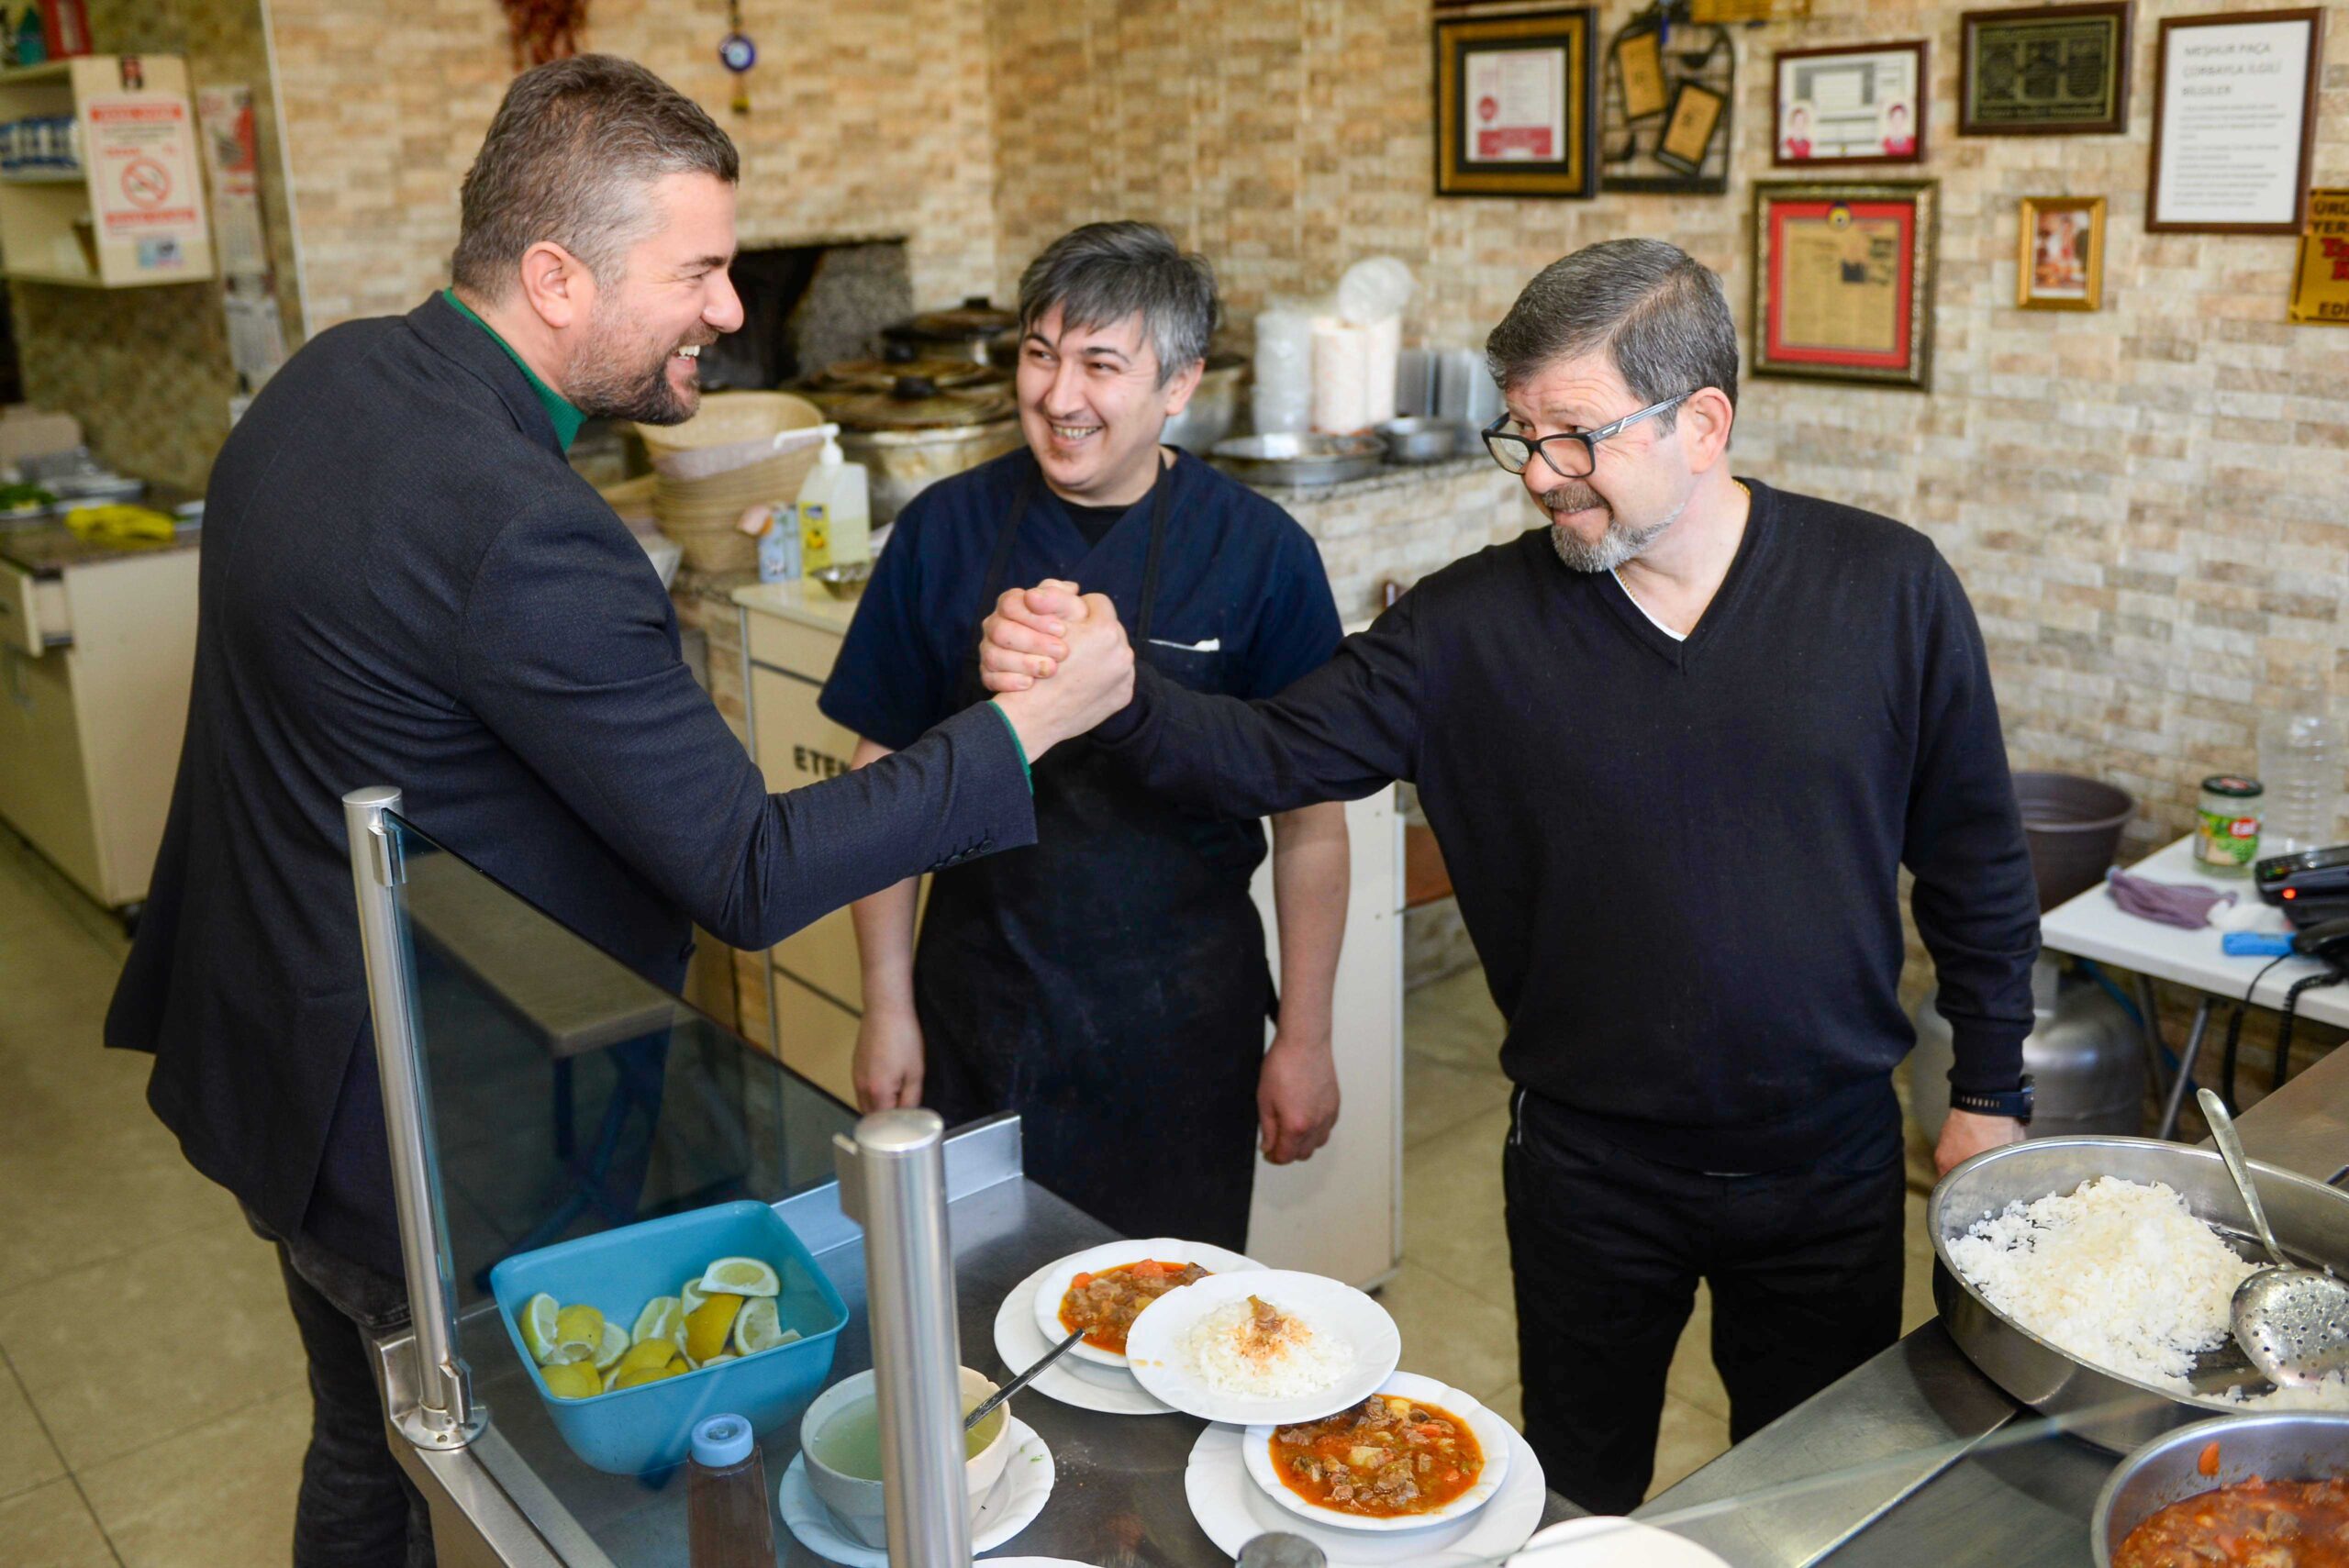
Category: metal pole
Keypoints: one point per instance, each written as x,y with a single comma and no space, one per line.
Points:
2167,1127
444,1416
893,1182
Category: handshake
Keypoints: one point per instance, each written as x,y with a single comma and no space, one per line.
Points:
1058,663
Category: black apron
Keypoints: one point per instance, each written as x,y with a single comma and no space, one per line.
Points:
1108,983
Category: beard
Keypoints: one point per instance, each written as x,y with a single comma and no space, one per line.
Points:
622,373
1620,543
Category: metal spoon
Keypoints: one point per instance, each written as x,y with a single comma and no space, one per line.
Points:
2292,1322
1022,1381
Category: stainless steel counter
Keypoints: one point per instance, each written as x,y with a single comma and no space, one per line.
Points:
1918,1459
519,1497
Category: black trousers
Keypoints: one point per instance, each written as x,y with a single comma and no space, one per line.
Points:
1606,1248
357,1508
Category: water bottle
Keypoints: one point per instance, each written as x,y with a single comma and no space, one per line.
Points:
726,1501
2301,764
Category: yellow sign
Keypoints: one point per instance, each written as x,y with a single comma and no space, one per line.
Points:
1722,13
2321,283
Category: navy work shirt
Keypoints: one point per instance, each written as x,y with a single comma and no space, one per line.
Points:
1242,610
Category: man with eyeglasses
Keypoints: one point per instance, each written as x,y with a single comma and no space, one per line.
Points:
1678,747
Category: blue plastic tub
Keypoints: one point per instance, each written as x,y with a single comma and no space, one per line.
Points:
640,1431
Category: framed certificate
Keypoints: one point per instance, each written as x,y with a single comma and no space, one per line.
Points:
2057,71
2234,122
1516,99
2059,264
1639,56
1689,129
1850,105
1843,281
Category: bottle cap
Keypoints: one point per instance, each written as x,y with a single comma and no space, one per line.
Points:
722,1440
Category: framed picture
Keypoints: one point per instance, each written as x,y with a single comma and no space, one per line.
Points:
1689,129
2234,122
1850,105
1639,56
2320,280
1843,281
2060,260
1516,99
2056,70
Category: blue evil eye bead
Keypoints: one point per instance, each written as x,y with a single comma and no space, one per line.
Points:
737,53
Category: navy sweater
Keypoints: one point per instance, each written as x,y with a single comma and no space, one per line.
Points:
1679,861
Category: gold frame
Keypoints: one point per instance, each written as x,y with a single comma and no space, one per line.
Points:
2027,224
1575,28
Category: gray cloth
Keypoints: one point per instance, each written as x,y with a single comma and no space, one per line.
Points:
2171,903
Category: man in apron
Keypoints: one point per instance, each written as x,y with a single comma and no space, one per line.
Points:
1109,982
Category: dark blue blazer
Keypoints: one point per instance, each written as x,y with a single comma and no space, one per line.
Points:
405,584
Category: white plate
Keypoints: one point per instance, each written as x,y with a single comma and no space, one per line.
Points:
1492,1436
1114,1254
1011,1506
1166,1370
1604,1541
1233,1510
1108,1389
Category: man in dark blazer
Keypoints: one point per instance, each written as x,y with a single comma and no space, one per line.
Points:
405,584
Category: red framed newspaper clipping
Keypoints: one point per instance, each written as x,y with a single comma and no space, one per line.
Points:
1843,281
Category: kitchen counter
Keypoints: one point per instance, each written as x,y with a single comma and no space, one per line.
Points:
1917,1458
47,548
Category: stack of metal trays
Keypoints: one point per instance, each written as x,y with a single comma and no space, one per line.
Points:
1291,459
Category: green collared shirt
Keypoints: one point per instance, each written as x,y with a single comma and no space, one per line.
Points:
567,419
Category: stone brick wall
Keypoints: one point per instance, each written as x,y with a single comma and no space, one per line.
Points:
2150,505
862,124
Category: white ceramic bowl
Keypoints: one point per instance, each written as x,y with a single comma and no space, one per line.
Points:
1117,1254
1490,1432
1167,1368
1601,1541
859,1502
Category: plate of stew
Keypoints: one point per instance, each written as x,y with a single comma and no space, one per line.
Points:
1103,1289
1415,1453
2255,1523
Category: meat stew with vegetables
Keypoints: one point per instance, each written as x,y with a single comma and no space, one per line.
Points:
2252,1523
1386,1458
1107,1302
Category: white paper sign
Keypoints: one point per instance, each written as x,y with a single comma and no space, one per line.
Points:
2232,123
143,182
1516,106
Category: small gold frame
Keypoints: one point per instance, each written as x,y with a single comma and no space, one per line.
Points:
2034,291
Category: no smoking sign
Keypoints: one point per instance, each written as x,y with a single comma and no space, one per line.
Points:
145,183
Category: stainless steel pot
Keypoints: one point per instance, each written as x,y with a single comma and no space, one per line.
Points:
901,464
1421,438
1290,459
2282,1445
2106,1408
1214,409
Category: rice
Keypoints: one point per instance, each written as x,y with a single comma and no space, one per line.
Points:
2122,1276
1288,1359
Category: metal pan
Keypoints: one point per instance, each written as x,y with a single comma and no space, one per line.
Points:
2282,1445
2113,1411
1289,459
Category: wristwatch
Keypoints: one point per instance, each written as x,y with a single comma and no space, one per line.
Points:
2015,1102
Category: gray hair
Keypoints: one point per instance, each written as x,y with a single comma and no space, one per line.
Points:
567,159
1658,313
1103,272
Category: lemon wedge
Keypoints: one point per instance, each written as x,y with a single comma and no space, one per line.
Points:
707,1325
661,1319
577,1380
757,1328
647,1352
578,1334
690,1295
614,1346
537,1325
638,1376
740,1276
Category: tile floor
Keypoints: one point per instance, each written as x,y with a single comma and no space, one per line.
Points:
152,1412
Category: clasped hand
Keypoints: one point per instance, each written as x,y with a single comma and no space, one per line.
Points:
1058,661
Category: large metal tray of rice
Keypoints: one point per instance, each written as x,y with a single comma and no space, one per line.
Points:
2045,1297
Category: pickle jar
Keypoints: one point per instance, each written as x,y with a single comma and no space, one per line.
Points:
2226,826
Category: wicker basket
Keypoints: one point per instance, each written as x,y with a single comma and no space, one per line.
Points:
699,508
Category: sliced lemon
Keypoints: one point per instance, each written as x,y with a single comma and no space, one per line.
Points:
740,1276
707,1325
611,1378
661,1319
638,1376
578,1379
690,1295
757,1328
647,1352
678,1366
614,1347
537,1325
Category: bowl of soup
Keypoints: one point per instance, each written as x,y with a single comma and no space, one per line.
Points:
840,1435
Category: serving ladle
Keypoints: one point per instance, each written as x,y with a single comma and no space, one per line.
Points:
2292,1322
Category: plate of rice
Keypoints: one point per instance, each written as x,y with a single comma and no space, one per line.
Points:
1264,1346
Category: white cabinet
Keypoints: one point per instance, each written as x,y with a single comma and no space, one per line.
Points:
96,650
1338,1214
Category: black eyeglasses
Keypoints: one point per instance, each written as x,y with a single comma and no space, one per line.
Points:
1565,451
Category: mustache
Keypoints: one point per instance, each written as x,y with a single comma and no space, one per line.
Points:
1571,498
